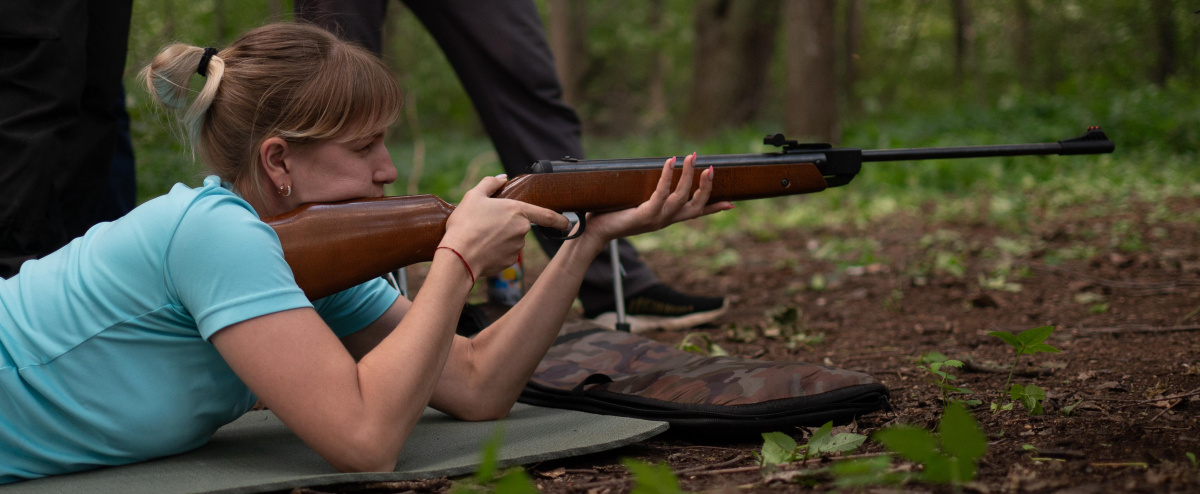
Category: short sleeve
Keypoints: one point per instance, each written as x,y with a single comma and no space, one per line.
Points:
226,266
353,309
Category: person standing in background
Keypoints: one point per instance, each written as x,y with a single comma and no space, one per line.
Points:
498,50
61,63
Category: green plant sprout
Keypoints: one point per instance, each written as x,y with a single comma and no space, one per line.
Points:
1067,410
1031,397
1028,342
513,481
861,472
1192,458
948,458
780,449
933,363
652,479
702,345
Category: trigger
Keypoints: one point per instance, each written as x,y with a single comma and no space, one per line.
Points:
576,223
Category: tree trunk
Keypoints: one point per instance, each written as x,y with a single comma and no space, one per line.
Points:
568,30
733,47
964,43
656,107
811,83
1024,42
1164,23
853,42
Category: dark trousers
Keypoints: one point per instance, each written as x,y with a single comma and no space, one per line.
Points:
61,63
498,49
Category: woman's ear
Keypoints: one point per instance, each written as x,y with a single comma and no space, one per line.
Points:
271,154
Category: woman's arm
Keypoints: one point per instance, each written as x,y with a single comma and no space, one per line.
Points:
485,374
357,415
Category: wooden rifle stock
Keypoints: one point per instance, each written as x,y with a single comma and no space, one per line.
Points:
334,246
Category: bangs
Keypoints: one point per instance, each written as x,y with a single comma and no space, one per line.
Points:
351,95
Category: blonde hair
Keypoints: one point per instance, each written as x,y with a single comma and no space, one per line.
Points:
295,81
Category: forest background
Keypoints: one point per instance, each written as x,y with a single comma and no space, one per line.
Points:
662,77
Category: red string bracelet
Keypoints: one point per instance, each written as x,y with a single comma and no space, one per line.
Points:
464,261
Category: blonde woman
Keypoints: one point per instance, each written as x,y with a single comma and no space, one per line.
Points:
142,337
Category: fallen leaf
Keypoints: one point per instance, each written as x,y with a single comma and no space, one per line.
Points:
553,474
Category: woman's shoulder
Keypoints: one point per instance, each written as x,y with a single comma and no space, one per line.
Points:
212,193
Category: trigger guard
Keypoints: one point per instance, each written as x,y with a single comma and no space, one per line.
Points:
556,234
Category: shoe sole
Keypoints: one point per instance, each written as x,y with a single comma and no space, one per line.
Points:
644,323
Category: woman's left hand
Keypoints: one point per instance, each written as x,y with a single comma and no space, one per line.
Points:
665,206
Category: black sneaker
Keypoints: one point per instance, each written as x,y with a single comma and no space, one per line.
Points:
660,307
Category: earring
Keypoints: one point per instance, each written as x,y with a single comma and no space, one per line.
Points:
285,190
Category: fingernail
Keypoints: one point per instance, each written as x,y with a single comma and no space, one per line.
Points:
711,171
730,207
502,176
693,154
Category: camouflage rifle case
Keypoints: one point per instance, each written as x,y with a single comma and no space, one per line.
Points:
618,373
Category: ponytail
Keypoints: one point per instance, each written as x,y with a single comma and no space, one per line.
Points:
168,78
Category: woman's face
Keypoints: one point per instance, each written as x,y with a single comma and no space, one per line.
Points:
330,170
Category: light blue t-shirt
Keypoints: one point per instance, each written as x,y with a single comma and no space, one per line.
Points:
104,358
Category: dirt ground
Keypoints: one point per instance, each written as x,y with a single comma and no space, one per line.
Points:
1121,288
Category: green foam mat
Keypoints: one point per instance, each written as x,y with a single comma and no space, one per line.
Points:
257,453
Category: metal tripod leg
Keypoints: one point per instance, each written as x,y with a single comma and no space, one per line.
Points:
399,281
618,286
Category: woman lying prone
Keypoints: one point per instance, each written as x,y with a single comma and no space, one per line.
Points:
141,338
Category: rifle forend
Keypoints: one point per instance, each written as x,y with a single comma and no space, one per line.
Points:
331,247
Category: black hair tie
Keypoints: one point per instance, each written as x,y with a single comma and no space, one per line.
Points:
202,69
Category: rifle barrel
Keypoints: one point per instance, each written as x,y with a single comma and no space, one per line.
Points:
1092,142
907,154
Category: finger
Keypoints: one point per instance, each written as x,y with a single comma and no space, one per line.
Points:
683,188
716,207
703,192
489,185
543,217
663,189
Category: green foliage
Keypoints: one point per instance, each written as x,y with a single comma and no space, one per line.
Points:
1028,342
513,481
934,364
516,481
652,479
491,451
861,472
700,343
848,251
1192,458
780,449
1031,397
948,458
824,442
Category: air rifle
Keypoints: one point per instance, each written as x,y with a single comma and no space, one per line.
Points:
334,246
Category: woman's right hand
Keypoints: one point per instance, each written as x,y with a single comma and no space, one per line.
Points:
490,232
